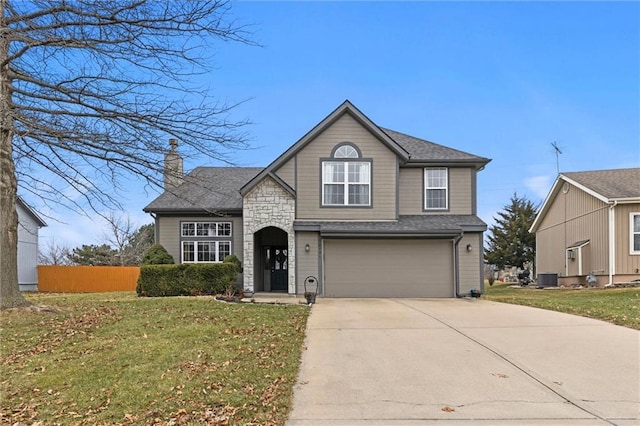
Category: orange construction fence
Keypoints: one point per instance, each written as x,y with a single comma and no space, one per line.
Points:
87,279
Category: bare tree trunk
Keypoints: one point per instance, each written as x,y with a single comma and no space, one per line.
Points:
10,295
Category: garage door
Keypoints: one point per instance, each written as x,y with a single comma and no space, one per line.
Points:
388,268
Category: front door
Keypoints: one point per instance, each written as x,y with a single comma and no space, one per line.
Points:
279,268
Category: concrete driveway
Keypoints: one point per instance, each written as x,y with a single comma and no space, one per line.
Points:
424,361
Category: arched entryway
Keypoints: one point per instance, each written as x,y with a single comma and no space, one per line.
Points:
271,260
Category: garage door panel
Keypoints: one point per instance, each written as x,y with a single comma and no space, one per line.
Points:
388,268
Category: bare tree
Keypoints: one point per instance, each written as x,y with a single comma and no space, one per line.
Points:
54,254
90,90
128,241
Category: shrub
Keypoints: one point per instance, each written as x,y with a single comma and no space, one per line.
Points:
157,255
232,258
185,279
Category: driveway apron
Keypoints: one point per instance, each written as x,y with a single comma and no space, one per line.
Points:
423,361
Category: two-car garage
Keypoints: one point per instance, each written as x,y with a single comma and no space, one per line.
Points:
388,268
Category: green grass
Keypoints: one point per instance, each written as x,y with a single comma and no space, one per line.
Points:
111,358
617,305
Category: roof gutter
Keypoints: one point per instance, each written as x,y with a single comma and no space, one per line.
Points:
612,241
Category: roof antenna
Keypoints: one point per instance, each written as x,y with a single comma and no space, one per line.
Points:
557,150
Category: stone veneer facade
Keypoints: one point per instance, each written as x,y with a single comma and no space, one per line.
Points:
268,204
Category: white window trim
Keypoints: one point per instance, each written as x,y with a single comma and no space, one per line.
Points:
195,251
346,183
195,229
446,189
632,233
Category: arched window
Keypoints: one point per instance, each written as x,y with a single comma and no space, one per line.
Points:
346,151
346,178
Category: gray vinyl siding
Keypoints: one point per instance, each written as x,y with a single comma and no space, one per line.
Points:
309,178
626,263
388,268
27,250
306,262
573,216
412,191
286,172
169,232
469,262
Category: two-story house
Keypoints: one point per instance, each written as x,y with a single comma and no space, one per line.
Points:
368,211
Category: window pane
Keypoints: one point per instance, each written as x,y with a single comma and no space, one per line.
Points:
332,172
358,172
346,151
187,251
359,194
206,251
333,194
636,223
224,250
205,229
436,199
436,178
224,229
188,229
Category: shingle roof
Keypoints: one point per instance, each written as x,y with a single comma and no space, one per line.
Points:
423,150
198,193
206,188
612,184
409,224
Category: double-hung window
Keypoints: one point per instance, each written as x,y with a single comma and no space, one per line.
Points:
436,187
346,180
634,225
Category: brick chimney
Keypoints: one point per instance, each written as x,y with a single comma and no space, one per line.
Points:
173,172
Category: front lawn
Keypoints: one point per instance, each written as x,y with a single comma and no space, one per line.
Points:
110,358
617,305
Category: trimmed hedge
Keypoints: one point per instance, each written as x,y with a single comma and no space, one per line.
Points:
157,255
185,279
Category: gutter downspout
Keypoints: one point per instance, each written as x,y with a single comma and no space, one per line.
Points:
156,228
612,242
456,265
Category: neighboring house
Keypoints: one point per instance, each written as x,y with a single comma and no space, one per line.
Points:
590,223
29,224
368,211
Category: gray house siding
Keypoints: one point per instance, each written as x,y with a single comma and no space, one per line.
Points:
287,171
308,262
309,175
627,264
169,232
411,191
574,216
27,250
469,266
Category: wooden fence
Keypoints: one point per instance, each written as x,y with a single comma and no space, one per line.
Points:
87,279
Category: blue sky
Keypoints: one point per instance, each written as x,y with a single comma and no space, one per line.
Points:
499,80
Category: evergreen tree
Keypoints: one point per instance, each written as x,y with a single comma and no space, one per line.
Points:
509,241
93,255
